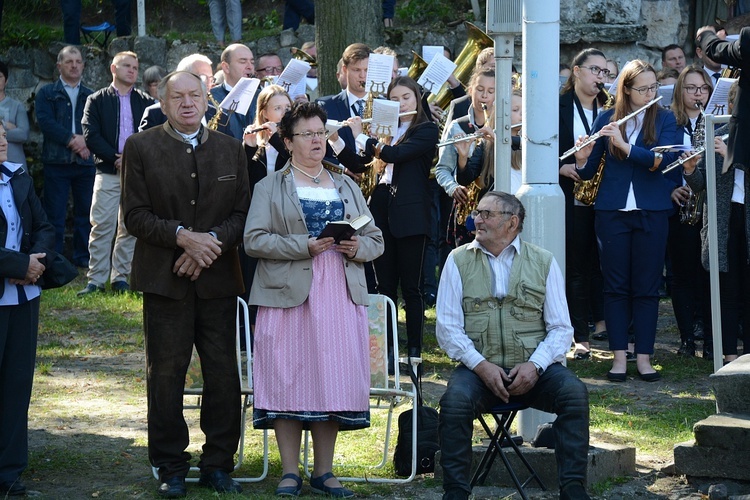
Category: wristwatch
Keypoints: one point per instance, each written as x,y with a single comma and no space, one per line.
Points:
539,369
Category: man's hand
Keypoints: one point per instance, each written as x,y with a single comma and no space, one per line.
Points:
201,247
494,377
84,153
118,162
77,144
524,378
187,266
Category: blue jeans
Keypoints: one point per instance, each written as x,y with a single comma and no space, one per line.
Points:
59,180
558,391
295,10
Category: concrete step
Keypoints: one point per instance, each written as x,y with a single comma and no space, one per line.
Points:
605,462
724,430
708,461
731,385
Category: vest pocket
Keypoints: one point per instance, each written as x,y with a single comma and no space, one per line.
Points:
475,326
529,304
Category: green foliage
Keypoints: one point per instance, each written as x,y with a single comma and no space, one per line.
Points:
428,11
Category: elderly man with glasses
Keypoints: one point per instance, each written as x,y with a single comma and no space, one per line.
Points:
501,312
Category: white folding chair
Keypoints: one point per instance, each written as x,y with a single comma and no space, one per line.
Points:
194,387
386,392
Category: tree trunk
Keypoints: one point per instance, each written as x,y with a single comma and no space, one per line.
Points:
339,23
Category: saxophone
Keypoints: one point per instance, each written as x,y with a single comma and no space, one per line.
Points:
472,194
213,123
370,177
585,191
691,212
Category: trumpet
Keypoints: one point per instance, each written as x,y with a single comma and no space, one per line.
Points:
597,135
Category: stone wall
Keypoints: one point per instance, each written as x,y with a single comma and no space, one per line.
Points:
623,29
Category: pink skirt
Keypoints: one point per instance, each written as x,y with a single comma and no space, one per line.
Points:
311,362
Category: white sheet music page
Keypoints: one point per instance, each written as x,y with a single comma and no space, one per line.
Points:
384,117
719,102
294,73
429,51
667,93
379,73
241,96
437,73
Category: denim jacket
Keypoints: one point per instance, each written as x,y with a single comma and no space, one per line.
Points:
53,113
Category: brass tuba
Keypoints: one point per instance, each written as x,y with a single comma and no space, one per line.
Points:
417,67
585,191
476,42
303,56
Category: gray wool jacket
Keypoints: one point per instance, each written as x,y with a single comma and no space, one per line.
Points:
724,187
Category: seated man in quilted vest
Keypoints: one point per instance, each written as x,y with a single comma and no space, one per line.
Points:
501,313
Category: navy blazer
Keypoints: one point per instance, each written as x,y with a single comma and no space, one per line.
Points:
735,54
337,108
38,234
235,127
652,188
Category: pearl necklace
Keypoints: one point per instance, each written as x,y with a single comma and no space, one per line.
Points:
315,178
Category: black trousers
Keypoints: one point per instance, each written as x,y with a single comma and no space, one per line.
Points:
688,275
401,265
172,327
734,285
557,391
19,326
584,288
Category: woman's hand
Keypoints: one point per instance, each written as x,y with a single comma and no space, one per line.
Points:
270,128
612,131
462,147
681,194
583,154
570,170
250,139
318,246
348,247
688,167
487,133
720,147
355,125
460,195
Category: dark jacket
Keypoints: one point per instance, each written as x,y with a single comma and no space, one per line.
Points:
54,114
652,188
736,54
257,163
167,184
235,126
38,234
724,189
101,124
409,212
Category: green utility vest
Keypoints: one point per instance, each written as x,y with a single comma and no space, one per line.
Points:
506,332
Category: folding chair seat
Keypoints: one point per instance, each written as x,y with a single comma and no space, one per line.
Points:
500,439
92,34
194,388
386,391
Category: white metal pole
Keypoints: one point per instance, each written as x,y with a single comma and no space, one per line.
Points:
141,17
503,84
540,192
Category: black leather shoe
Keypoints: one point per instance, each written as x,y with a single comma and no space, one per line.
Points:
455,494
174,487
119,287
90,288
650,377
12,489
220,482
616,377
687,349
574,491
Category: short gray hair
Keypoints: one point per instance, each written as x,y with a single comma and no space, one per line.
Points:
509,203
186,63
161,90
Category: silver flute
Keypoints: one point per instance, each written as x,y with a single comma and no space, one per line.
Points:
695,153
597,135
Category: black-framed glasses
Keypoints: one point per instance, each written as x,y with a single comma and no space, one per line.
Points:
693,89
487,214
596,70
272,70
308,136
644,90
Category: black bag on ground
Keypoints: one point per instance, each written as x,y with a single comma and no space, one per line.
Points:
427,437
